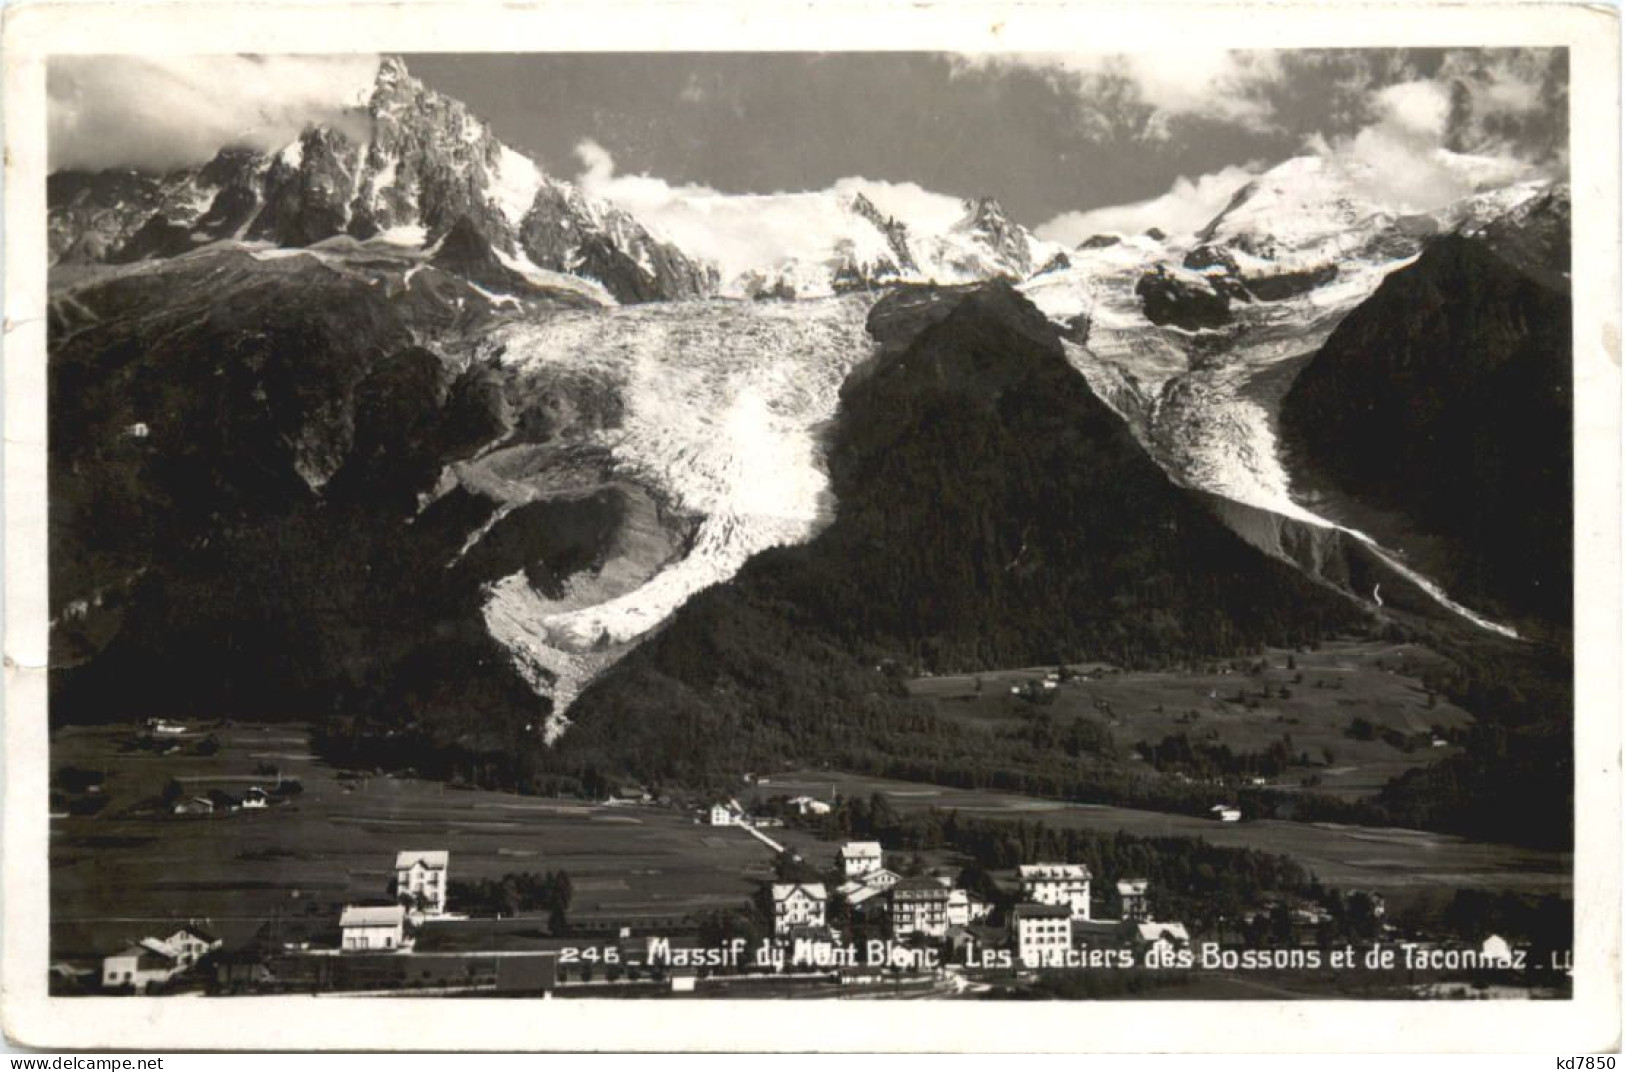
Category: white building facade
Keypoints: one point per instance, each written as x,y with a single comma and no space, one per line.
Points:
965,908
797,905
858,858
422,876
140,966
370,928
919,906
191,944
1043,934
1066,885
1131,892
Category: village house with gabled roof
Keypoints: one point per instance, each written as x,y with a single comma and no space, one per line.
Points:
798,905
1164,938
157,960
421,876
883,879
140,965
859,858
858,893
191,944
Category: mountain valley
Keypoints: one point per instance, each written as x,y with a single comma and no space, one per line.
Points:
392,431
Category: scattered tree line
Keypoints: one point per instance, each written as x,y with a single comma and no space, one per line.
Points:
513,894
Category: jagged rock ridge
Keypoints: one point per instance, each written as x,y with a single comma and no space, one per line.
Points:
410,165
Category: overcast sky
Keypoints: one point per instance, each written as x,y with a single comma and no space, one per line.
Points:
1064,141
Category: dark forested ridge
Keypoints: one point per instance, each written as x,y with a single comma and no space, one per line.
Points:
1439,417
238,449
992,512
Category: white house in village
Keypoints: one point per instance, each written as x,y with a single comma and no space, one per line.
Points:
1161,938
965,908
191,944
919,906
140,965
1057,884
1225,814
882,879
1042,933
157,960
372,927
422,875
722,815
857,892
859,858
1131,893
798,904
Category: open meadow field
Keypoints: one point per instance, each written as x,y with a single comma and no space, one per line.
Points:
124,872
1387,860
1308,700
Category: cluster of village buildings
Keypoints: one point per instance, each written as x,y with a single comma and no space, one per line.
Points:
420,878
1054,916
1052,925
1055,913
218,801
420,894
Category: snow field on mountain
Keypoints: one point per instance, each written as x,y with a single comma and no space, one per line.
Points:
514,184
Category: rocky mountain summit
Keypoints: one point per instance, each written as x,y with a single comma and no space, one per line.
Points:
407,166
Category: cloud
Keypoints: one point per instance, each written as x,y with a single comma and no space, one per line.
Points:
1415,110
1188,206
1146,93
162,113
1389,134
746,232
1508,101
1403,160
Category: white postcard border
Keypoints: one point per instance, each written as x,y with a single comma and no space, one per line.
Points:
1588,1023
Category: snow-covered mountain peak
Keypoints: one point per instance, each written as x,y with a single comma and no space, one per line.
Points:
1190,340
391,72
986,221
408,161
1323,204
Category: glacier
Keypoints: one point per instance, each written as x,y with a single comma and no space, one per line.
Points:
1204,402
723,403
